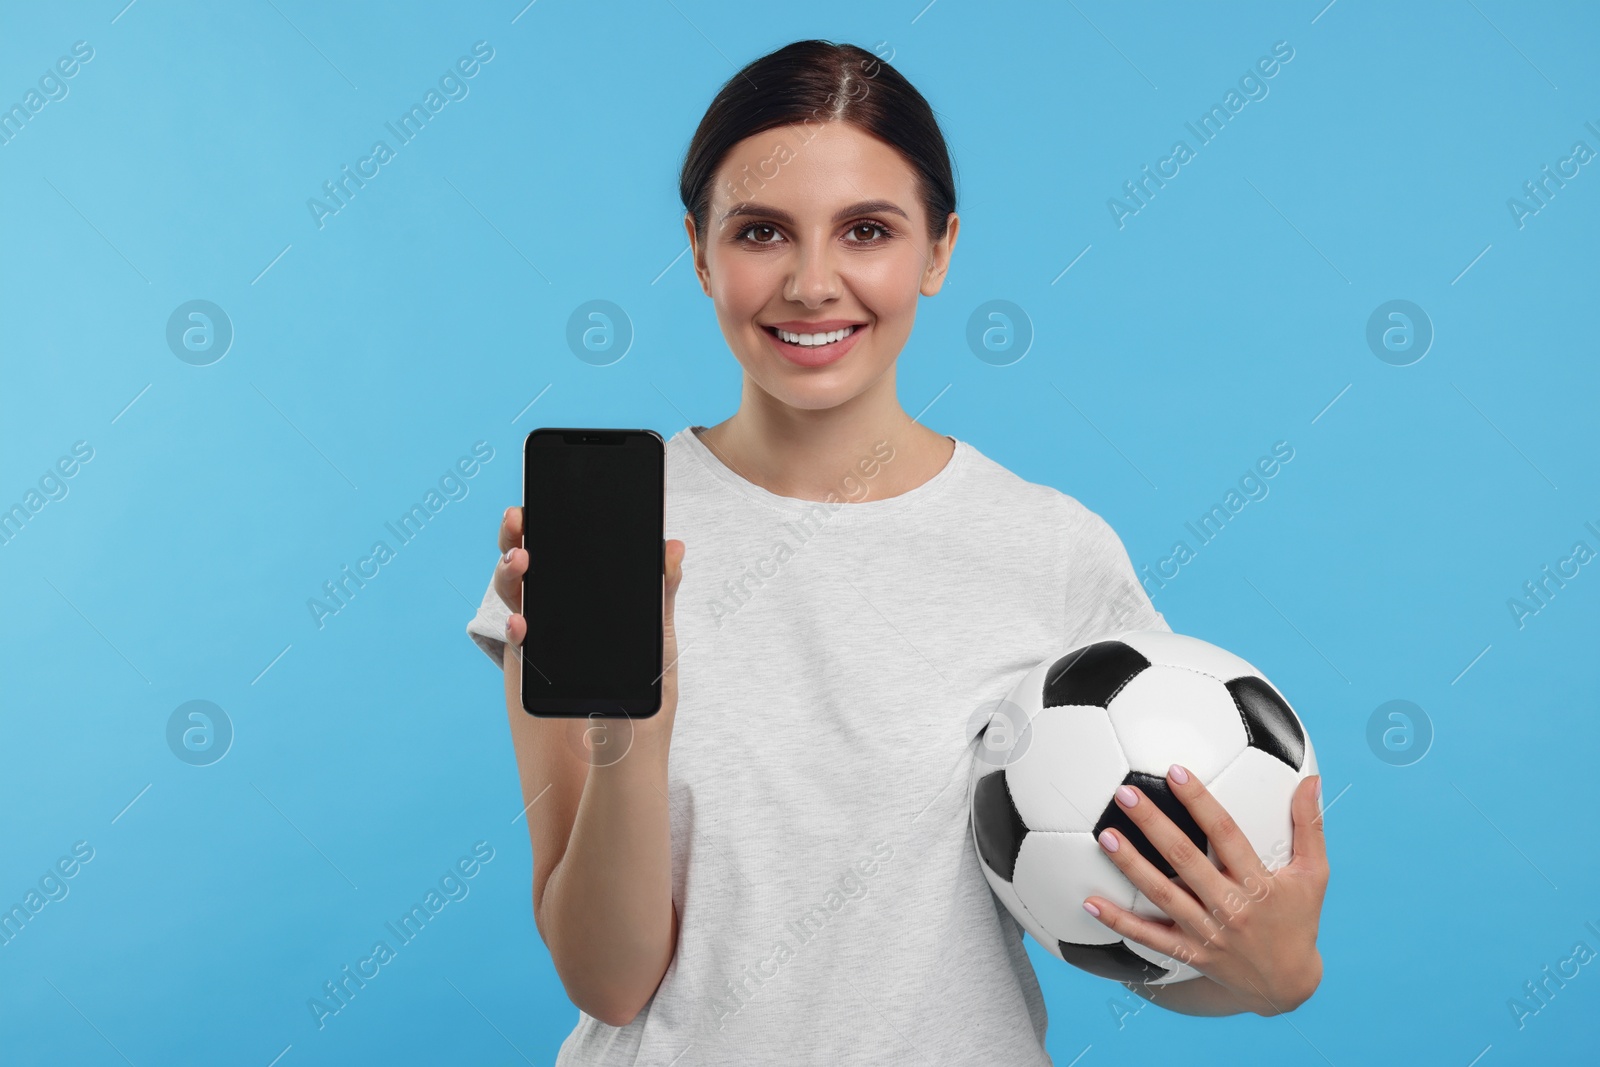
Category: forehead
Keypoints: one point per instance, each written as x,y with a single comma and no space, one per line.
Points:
814,167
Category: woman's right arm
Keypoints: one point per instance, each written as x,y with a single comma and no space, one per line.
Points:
598,822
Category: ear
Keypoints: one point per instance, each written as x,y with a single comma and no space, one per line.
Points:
700,269
939,254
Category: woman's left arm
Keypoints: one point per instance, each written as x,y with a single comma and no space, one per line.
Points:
1250,932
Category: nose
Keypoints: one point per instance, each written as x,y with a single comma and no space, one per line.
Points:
814,279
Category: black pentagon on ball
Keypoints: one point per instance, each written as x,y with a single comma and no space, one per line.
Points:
1157,790
1092,675
1115,961
1268,721
997,824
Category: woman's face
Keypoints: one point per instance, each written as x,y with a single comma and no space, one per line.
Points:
815,253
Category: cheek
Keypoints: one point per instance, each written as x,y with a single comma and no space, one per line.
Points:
889,290
742,286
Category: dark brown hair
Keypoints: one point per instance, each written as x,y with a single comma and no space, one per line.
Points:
814,82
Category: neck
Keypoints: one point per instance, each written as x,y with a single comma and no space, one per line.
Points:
867,448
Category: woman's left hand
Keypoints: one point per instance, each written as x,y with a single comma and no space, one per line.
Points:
1248,929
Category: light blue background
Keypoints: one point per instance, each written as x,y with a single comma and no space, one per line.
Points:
1225,316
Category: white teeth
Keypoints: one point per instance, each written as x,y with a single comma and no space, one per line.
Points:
811,340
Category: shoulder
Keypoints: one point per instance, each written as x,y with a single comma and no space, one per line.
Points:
1069,516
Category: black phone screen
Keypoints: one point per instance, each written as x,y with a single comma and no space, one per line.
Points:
593,510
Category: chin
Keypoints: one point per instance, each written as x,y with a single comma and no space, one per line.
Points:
820,399
813,393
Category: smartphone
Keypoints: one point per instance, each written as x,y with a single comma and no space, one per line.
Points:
592,519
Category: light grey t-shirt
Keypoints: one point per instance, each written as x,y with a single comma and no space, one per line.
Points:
837,665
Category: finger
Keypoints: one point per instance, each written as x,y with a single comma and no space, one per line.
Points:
1232,847
516,635
1310,842
676,550
1166,938
508,577
1172,842
511,529
1176,902
673,578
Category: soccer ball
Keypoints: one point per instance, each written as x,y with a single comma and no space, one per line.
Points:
1123,710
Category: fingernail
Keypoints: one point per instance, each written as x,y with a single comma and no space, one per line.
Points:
505,557
1179,775
508,626
1319,789
1091,909
1126,796
1108,840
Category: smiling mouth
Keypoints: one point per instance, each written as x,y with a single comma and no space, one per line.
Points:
811,340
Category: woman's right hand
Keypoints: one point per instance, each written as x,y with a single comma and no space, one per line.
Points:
508,584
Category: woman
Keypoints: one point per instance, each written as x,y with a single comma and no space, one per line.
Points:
797,883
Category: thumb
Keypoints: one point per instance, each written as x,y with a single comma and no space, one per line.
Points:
669,627
1310,841
675,553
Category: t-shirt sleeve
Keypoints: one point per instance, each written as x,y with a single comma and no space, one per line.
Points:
488,627
1104,595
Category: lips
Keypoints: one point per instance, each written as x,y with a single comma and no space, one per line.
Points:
814,355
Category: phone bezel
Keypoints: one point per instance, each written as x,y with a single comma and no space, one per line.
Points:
596,707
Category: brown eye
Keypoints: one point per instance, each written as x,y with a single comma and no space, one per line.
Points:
758,227
865,232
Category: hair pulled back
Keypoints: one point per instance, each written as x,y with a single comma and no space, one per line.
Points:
808,83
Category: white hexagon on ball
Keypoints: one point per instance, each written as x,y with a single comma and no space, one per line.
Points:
1072,764
1055,872
1168,715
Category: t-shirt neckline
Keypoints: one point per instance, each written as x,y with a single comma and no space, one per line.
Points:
843,509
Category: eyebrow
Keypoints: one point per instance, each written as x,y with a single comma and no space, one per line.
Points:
865,207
